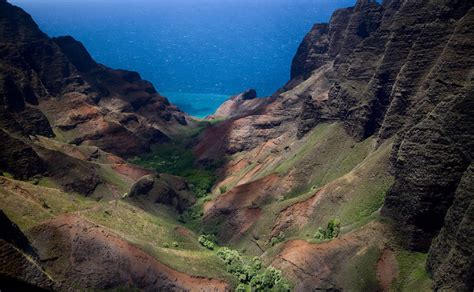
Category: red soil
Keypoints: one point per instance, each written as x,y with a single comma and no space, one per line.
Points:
387,269
314,265
83,254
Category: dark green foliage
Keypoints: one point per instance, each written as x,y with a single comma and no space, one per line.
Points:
177,159
223,189
249,272
331,231
207,241
277,239
241,288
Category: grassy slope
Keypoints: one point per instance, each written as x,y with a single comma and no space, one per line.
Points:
412,272
353,175
148,231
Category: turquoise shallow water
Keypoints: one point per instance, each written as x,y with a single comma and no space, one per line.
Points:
199,105
198,46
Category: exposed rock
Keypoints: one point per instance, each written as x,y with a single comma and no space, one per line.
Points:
85,102
72,174
311,53
18,261
18,158
429,165
451,257
239,105
397,70
163,189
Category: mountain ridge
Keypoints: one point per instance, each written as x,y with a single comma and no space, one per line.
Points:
355,175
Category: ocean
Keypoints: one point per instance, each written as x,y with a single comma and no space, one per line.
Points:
195,52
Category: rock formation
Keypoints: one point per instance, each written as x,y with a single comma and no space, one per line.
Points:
375,128
163,189
396,71
53,87
18,260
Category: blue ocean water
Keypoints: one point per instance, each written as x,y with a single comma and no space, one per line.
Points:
190,49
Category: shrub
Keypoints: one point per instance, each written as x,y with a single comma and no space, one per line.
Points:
241,288
175,244
223,189
277,239
249,272
320,234
332,230
257,263
166,245
207,241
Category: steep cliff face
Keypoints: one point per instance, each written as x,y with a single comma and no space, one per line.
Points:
53,85
393,71
377,119
449,260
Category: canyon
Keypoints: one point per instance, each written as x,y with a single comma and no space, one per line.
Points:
356,175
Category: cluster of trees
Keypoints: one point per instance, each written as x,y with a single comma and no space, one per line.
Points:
207,241
332,230
250,273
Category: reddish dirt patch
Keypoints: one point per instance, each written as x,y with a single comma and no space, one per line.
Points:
183,231
245,195
313,266
387,269
296,215
83,254
239,208
131,171
239,223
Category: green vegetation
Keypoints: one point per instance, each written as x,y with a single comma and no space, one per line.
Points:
27,204
277,239
247,270
175,158
331,231
151,229
6,174
207,241
222,189
250,272
412,275
362,270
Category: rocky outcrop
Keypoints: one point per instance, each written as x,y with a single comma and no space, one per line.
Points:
18,261
54,84
312,53
396,70
239,105
451,257
18,158
163,189
429,164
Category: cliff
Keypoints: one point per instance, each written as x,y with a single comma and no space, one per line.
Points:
52,87
373,131
396,71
